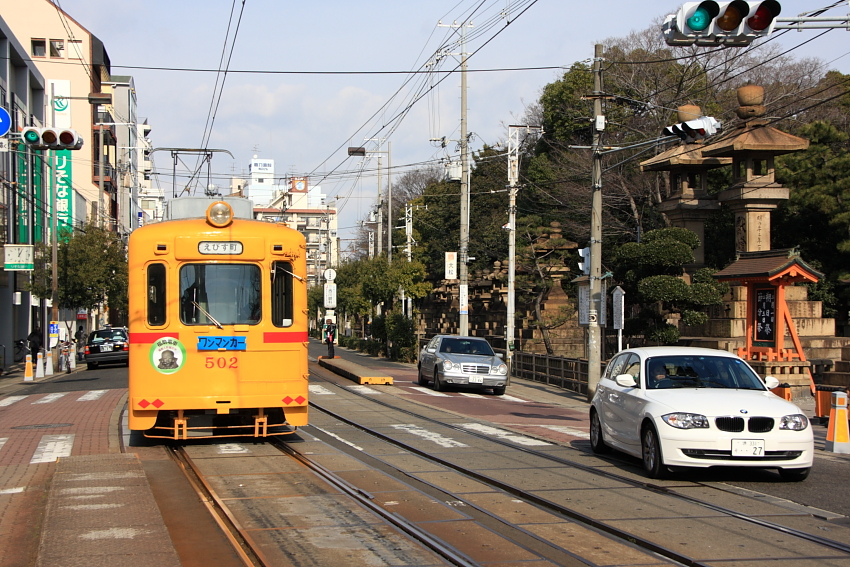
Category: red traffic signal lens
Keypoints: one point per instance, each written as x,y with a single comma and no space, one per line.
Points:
67,138
764,15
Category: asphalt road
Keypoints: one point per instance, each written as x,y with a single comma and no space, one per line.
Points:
825,487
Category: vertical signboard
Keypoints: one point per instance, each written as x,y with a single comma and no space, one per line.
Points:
60,117
23,194
764,325
451,266
64,194
464,299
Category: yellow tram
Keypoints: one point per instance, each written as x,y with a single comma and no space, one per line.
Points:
218,323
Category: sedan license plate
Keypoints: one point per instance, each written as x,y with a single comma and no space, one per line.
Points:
747,447
476,380
105,348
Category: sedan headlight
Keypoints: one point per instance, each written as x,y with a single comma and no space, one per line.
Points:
796,422
501,369
448,365
686,420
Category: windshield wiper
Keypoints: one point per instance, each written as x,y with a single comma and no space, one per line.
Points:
210,317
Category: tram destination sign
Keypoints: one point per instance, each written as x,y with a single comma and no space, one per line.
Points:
226,247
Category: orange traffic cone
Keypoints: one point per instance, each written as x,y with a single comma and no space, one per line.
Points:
28,369
838,433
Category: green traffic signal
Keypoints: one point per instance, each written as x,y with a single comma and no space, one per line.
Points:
31,137
699,20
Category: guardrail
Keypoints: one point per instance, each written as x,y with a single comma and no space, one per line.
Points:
567,373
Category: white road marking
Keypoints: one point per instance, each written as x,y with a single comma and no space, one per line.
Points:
507,398
338,438
471,395
430,436
52,447
3,441
10,400
91,396
502,434
12,490
319,390
568,430
232,449
363,390
429,391
88,490
50,398
114,533
92,506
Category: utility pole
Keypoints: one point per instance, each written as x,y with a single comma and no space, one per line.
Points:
389,202
380,211
463,272
594,335
513,177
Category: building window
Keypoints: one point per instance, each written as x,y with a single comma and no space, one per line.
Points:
75,49
39,48
57,48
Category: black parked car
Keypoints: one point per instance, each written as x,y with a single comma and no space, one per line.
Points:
109,345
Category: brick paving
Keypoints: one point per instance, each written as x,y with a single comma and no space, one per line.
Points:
34,498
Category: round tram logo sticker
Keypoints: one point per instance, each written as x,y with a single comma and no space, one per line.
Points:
168,355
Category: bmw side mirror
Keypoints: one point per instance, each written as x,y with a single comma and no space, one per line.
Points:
626,380
771,382
431,350
500,355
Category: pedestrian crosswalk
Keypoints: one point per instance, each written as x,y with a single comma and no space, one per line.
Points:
89,396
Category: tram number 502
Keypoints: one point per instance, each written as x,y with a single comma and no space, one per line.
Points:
221,362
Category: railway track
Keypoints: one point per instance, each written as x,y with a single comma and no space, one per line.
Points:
830,547
440,521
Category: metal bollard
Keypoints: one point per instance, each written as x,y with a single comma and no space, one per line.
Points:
838,433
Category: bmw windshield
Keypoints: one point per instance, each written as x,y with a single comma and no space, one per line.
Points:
668,372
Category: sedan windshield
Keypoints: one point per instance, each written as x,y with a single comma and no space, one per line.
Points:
102,335
466,346
665,372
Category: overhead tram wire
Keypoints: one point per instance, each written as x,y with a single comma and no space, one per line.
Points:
211,115
420,96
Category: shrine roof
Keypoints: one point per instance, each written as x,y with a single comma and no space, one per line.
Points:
685,155
769,265
755,136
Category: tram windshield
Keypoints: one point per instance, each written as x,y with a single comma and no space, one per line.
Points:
225,294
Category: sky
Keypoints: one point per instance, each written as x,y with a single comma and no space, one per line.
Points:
304,121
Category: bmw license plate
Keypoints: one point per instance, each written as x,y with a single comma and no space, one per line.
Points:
747,447
105,348
476,380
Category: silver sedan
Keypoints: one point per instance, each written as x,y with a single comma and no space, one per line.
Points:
462,361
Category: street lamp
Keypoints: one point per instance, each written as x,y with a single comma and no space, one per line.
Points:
362,152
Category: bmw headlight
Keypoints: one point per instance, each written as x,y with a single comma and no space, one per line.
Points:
501,369
796,422
447,366
686,420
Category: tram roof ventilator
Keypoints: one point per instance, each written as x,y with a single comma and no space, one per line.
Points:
196,207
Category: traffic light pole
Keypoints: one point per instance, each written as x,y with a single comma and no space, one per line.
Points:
594,335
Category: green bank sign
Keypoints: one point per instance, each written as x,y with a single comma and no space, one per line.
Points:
64,193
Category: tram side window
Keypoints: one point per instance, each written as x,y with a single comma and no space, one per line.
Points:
282,294
156,295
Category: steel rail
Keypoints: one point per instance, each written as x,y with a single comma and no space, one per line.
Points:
239,539
447,552
832,544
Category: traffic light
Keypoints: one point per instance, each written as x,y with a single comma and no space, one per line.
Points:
51,138
584,264
711,23
693,130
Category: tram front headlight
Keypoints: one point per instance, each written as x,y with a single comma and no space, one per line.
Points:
219,214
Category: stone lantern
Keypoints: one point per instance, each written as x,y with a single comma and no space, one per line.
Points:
754,192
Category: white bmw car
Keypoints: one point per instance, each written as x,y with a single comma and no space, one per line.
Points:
695,407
